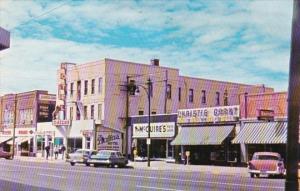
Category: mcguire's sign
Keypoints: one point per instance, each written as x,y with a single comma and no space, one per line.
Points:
209,114
140,130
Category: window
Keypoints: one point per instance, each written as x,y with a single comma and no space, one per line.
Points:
203,97
85,87
153,112
85,112
141,112
225,98
88,142
71,89
100,85
92,111
191,95
217,98
93,86
179,94
78,90
71,113
169,92
100,111
77,113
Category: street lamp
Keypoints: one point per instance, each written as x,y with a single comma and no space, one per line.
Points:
148,91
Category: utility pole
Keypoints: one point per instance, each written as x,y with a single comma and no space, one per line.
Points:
149,83
291,183
14,126
127,118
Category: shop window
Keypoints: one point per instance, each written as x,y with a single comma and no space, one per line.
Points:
141,112
203,97
92,111
85,87
93,86
191,95
169,91
179,94
217,98
85,112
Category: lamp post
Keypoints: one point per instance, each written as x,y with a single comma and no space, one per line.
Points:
149,83
14,127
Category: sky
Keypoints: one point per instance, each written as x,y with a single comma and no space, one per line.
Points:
238,41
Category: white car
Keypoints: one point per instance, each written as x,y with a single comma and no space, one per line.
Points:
80,156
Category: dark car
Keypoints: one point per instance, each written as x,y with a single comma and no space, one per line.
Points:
108,158
6,155
80,156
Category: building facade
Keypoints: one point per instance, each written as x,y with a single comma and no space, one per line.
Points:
100,92
19,115
4,39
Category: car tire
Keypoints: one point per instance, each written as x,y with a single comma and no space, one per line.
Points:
251,175
257,175
87,164
72,163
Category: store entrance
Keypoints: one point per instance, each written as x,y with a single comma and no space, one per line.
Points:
158,148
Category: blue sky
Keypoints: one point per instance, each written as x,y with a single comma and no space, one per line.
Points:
238,41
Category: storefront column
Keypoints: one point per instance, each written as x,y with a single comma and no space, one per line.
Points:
34,145
244,153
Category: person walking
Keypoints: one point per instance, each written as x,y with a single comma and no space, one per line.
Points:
47,148
62,149
56,150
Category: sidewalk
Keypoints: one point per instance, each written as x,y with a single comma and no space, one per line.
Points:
40,159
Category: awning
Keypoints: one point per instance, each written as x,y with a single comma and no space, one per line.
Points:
262,133
19,140
207,135
3,139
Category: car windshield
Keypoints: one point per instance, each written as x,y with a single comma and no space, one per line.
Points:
265,157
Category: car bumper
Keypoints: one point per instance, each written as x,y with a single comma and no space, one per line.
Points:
268,172
99,162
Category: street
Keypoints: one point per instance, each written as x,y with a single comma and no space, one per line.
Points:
61,176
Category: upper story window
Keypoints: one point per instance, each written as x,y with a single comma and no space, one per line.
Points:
78,90
225,98
71,89
141,112
203,97
85,112
179,94
100,85
71,113
217,98
85,87
169,91
92,111
77,113
191,95
93,86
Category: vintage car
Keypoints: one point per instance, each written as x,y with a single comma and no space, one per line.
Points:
80,156
266,163
6,155
108,158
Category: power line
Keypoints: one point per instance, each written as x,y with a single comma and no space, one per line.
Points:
43,14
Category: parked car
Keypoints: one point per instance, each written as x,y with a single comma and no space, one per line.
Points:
108,158
266,163
80,156
6,155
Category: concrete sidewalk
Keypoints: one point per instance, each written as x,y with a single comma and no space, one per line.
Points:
40,159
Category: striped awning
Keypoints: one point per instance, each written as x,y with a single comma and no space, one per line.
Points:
262,133
207,135
19,140
4,139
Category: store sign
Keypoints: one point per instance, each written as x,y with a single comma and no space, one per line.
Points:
60,122
265,114
140,130
45,97
87,133
108,140
209,114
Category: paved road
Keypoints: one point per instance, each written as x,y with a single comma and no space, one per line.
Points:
45,176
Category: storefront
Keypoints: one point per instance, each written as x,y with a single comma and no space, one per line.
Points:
205,135
262,136
162,132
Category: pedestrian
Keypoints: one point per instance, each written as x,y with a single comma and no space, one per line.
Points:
56,150
47,148
62,149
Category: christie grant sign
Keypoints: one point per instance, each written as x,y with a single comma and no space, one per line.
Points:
209,114
140,130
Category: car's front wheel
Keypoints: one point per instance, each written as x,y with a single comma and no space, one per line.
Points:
72,163
257,175
251,175
87,164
